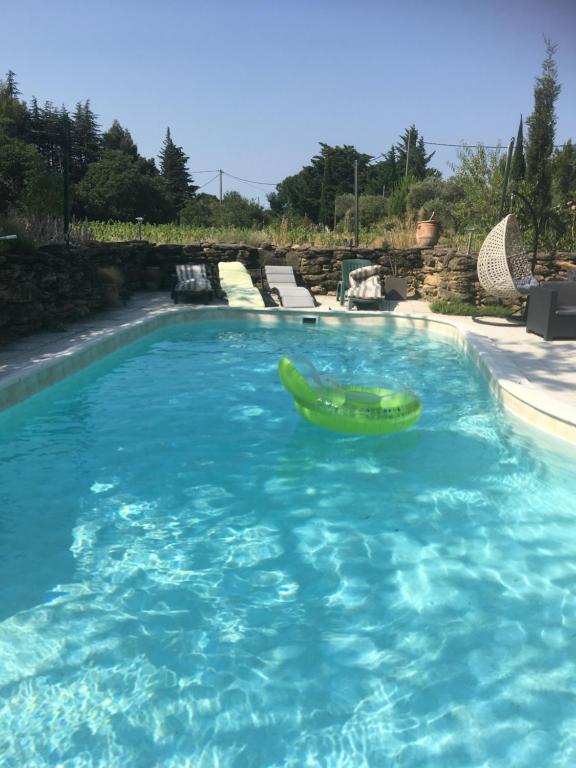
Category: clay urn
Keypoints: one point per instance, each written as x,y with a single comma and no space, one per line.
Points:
427,233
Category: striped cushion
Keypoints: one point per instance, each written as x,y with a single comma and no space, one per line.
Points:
192,277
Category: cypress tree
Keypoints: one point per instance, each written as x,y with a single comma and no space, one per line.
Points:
173,169
541,131
518,168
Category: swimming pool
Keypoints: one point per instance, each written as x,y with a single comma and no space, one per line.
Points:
193,576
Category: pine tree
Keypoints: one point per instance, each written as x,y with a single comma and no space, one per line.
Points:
173,169
411,147
14,116
11,85
117,137
86,140
518,167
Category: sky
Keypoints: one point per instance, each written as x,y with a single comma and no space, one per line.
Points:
253,86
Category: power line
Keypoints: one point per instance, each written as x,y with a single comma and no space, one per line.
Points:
250,185
208,182
463,146
480,144
251,181
214,170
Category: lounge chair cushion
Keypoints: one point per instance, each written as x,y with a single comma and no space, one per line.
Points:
364,272
365,283
192,277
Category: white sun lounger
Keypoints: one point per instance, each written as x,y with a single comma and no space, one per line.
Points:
236,281
284,281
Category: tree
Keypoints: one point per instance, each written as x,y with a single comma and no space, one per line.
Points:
564,175
115,187
411,157
173,169
26,182
239,211
479,174
14,115
202,210
86,140
381,177
518,167
117,137
438,196
312,192
541,132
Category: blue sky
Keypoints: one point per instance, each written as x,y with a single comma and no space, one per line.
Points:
252,86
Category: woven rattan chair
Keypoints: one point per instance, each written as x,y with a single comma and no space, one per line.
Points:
503,267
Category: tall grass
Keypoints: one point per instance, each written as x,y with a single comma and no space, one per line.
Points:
394,234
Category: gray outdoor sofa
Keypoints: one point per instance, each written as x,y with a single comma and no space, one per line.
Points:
552,310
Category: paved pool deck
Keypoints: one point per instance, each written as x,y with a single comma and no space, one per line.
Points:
534,378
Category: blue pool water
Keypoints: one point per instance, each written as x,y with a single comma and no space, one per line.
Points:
192,576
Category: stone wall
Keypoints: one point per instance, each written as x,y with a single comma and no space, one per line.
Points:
55,285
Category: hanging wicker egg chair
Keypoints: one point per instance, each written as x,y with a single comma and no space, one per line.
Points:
504,268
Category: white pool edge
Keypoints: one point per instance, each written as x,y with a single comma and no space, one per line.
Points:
530,404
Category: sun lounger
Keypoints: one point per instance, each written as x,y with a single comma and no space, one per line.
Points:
192,281
283,280
235,280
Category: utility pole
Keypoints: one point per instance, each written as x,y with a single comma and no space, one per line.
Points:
220,172
356,206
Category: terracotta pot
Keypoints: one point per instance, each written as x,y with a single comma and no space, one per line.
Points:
427,233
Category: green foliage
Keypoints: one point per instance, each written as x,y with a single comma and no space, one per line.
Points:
518,167
383,175
175,173
372,208
480,177
564,175
118,187
446,307
411,157
234,211
85,140
238,211
117,137
312,192
541,131
200,211
397,202
436,196
26,182
14,117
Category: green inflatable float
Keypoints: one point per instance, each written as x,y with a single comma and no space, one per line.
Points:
343,408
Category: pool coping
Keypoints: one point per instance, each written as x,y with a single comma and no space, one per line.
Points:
528,402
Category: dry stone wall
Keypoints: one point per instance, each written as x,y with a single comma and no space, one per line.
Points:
56,285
